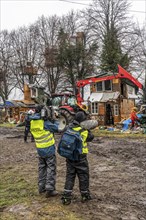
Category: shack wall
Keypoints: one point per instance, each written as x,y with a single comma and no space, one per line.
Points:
126,106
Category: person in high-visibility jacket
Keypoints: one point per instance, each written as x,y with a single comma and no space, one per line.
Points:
80,167
42,131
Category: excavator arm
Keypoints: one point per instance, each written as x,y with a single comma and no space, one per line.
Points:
122,73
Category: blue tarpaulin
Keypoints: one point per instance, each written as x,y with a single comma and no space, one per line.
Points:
128,121
10,104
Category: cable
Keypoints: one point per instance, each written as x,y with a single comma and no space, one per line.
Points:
72,2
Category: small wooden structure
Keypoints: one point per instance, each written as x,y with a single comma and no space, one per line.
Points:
16,109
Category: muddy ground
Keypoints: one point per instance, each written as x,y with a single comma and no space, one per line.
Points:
117,181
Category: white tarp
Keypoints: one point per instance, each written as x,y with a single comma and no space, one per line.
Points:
103,97
95,97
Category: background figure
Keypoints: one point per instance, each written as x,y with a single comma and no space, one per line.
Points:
27,126
80,167
134,117
43,131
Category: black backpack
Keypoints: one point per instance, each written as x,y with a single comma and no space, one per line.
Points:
70,145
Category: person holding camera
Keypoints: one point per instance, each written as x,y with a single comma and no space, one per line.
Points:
43,131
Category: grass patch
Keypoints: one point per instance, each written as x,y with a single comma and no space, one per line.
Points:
17,193
8,217
116,134
8,125
14,188
97,132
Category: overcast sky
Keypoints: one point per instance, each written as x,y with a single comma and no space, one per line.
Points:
17,13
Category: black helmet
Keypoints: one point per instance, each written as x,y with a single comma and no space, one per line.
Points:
38,108
80,116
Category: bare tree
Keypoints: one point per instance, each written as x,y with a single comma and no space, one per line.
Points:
48,47
7,79
140,57
25,50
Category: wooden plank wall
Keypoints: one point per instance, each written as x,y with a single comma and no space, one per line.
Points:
126,107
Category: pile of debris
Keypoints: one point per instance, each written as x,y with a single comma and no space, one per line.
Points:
143,123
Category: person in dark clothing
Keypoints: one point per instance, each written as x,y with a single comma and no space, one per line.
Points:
80,167
27,126
43,131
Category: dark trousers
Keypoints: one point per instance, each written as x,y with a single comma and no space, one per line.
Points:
26,132
47,173
81,169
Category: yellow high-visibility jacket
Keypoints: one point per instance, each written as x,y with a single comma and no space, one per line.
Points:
43,138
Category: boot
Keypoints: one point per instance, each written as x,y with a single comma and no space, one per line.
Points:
51,193
42,191
66,198
85,197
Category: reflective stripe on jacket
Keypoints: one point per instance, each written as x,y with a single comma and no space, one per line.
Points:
42,137
84,135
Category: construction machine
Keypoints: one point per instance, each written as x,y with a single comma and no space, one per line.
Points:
65,106
59,106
